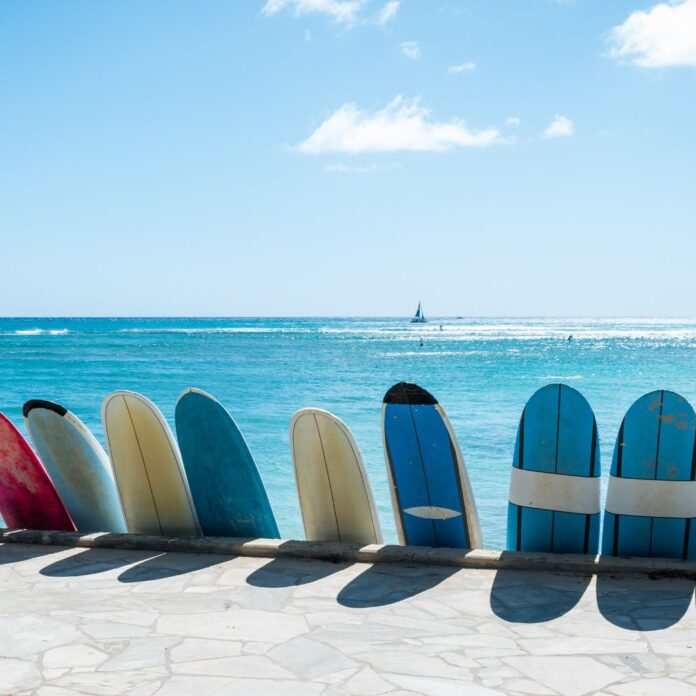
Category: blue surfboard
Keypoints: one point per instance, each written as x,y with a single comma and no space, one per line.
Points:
225,484
430,489
555,486
651,498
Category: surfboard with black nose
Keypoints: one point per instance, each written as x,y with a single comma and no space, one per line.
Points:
555,481
78,465
428,481
651,498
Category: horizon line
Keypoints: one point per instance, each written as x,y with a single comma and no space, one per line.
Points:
345,316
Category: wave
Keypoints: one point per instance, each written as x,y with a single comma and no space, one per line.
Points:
419,353
40,332
450,334
223,330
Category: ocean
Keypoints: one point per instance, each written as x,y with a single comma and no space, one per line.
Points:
482,370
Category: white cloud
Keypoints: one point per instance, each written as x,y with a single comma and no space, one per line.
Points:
513,120
359,169
388,12
410,49
401,125
341,11
560,127
663,36
464,67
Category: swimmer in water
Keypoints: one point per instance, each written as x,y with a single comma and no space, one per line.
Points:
421,343
570,338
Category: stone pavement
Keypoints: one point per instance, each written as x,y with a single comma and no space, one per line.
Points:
107,621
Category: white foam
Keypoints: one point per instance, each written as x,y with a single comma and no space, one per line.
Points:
472,330
222,330
408,353
41,332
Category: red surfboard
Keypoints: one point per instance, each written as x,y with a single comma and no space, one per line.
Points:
28,498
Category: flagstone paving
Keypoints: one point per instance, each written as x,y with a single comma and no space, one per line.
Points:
100,621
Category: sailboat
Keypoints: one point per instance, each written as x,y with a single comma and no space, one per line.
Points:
419,317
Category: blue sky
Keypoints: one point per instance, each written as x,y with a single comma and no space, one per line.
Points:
328,157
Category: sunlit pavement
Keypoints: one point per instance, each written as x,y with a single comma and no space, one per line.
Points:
101,621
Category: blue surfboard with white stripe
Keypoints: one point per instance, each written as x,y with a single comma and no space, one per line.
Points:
226,487
554,501
430,488
650,509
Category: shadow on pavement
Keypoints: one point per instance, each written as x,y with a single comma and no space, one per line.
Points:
530,596
641,603
288,572
384,583
15,553
170,564
90,561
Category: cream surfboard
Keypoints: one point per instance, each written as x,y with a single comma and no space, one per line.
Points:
78,466
149,474
332,485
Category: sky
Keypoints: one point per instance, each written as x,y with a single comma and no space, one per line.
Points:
347,157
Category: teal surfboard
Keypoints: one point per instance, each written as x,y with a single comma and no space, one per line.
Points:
227,490
651,498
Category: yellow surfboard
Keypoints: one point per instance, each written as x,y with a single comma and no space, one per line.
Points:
147,465
334,491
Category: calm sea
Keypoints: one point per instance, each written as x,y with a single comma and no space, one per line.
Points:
481,370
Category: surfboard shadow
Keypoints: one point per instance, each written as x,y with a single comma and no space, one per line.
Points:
383,584
91,561
289,572
169,565
646,603
530,596
15,553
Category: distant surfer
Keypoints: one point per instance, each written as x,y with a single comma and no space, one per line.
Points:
570,337
440,327
421,343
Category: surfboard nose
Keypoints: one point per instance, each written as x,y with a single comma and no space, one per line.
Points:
42,403
408,393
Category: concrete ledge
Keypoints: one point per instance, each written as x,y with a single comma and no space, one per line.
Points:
354,553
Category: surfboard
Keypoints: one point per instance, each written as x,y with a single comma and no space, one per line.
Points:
650,508
227,489
554,503
332,485
147,465
428,481
78,466
28,498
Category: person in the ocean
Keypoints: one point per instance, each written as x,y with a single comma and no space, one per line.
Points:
570,338
421,343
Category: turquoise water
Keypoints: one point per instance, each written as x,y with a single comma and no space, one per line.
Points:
481,370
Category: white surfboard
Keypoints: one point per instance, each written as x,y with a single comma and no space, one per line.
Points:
149,474
332,485
78,466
